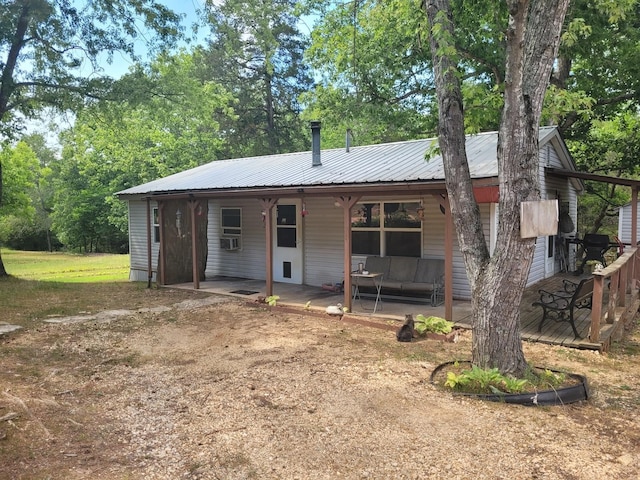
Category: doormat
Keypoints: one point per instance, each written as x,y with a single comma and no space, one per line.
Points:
244,292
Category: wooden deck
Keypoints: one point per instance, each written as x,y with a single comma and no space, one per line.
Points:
556,333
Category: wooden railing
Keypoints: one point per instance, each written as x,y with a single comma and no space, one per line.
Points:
623,276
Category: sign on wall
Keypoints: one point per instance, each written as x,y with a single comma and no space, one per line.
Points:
538,219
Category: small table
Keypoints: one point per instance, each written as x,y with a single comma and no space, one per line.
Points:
377,282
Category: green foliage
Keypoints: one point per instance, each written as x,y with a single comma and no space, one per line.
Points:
424,325
113,147
490,380
272,300
256,52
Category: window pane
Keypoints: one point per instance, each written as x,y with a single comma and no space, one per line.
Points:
286,237
402,215
231,217
406,244
366,215
365,243
286,214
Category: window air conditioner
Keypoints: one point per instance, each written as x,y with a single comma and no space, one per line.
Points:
229,243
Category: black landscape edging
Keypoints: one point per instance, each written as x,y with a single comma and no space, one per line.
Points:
552,397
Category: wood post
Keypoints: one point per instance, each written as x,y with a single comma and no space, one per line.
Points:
347,203
448,260
267,217
193,204
149,255
161,260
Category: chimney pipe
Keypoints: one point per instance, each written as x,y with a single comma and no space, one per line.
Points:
315,143
348,139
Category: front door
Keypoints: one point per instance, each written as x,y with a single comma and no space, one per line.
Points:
287,252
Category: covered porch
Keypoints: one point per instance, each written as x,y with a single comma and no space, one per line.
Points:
615,302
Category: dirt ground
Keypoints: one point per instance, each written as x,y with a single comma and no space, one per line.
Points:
223,389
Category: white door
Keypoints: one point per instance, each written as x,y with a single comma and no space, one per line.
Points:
287,241
550,259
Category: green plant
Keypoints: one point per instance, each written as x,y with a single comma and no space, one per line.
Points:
271,300
424,325
478,380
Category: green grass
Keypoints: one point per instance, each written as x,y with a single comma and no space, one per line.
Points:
66,267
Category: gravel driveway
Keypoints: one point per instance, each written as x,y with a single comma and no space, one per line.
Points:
235,391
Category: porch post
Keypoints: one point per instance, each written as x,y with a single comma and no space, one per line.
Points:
267,217
634,217
161,263
347,203
194,244
448,260
149,257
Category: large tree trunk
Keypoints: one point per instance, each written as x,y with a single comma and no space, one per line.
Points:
497,282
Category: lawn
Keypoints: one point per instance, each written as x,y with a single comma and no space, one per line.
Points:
42,284
66,267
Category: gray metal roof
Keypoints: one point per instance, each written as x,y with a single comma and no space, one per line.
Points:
383,163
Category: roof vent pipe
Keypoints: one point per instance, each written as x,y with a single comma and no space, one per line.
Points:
315,143
347,140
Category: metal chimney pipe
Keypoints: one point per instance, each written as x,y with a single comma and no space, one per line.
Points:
315,143
348,139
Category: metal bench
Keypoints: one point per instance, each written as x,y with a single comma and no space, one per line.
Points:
561,306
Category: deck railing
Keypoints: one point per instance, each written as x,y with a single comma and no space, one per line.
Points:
623,276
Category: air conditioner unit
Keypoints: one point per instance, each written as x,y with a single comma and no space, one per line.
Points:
229,243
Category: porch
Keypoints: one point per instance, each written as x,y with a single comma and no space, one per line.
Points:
615,302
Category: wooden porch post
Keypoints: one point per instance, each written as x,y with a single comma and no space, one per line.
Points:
347,203
448,260
634,217
161,263
149,256
193,204
267,217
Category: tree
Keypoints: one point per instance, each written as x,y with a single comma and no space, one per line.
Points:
20,164
113,147
51,51
256,53
532,37
374,73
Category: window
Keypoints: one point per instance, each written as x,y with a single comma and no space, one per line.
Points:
387,228
156,225
231,222
286,229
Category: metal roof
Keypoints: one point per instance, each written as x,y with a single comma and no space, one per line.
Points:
398,162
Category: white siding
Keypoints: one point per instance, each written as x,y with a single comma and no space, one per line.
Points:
553,188
624,224
138,241
249,260
323,242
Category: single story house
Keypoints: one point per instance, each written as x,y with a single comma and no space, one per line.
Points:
309,217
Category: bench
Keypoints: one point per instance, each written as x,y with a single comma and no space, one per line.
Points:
561,306
407,277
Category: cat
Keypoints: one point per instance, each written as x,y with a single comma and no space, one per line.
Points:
405,332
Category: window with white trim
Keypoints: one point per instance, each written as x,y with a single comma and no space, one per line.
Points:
387,228
231,221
